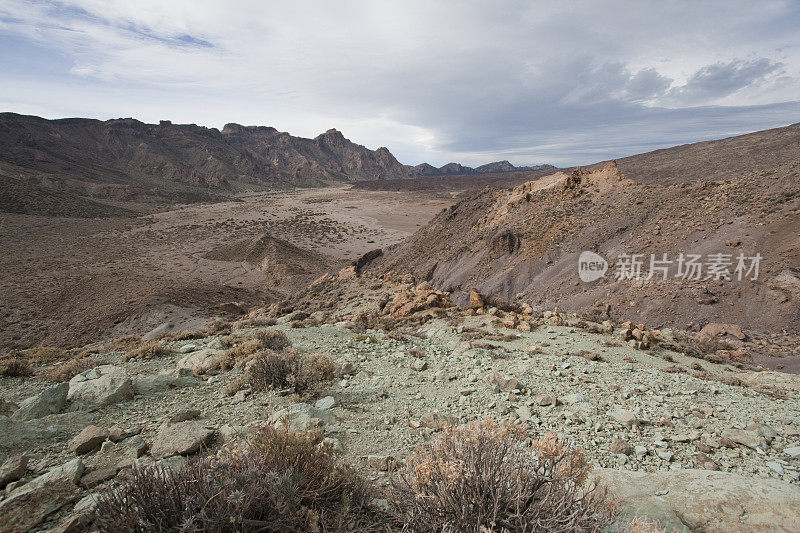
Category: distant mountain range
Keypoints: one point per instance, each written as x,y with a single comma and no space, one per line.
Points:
452,169
62,162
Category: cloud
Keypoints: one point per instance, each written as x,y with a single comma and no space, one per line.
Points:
558,82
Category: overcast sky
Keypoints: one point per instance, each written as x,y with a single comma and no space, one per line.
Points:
562,82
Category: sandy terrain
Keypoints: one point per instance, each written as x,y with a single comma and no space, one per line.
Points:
67,281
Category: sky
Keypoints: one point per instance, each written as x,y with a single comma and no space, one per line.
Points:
564,82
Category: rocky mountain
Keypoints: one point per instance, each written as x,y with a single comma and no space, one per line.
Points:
456,169
734,197
126,158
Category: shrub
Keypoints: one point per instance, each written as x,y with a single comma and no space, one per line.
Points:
481,478
70,369
284,481
147,350
290,369
123,343
274,340
15,367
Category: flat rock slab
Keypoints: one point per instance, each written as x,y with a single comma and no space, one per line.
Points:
705,500
183,438
24,510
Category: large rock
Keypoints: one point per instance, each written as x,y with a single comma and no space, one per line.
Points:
704,500
202,361
13,469
48,402
88,440
183,438
32,503
101,386
745,437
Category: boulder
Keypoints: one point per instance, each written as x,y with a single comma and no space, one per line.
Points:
48,402
704,500
100,387
13,469
714,329
328,402
183,415
88,440
30,504
475,299
751,439
183,438
202,361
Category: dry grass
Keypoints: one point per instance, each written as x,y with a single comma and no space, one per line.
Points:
123,343
16,367
244,348
644,525
70,369
291,369
481,478
147,350
284,481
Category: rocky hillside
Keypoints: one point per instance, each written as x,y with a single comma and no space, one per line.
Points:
524,243
128,159
677,440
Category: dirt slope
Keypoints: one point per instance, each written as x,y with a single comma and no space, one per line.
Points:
525,242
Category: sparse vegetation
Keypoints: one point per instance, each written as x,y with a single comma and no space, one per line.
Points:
284,481
70,369
291,369
481,478
147,350
16,367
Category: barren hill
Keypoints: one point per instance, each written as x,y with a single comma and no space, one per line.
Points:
731,197
128,159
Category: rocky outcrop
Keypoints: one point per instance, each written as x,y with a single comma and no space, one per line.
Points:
49,401
183,438
101,386
420,298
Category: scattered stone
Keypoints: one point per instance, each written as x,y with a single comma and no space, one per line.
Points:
184,415
187,348
437,421
505,384
619,446
13,469
49,401
88,440
96,477
751,439
183,438
100,387
328,402
625,417
706,462
381,463
792,451
163,382
775,467
419,365
545,399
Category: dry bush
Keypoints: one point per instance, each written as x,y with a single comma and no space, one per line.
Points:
284,481
702,347
291,369
481,478
15,367
255,322
274,340
147,350
216,327
72,368
123,343
44,354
